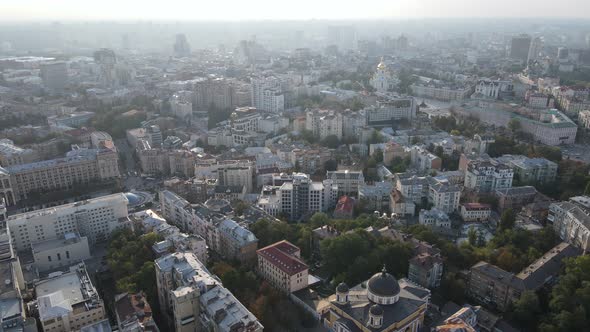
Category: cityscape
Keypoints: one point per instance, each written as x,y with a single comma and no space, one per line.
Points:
413,166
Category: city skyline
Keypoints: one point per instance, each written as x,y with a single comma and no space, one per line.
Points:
180,10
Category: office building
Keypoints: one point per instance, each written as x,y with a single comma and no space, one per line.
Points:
95,219
79,166
387,112
55,75
67,250
519,47
181,48
280,264
68,301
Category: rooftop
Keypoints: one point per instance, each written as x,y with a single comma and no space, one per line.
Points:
284,255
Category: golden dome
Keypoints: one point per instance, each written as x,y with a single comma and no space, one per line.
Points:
382,65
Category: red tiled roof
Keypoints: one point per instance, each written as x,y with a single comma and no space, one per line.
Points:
282,255
345,205
476,206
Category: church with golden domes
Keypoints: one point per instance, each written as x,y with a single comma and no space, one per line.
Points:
379,304
383,79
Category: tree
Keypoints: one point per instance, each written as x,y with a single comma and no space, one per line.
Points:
331,141
514,125
526,310
507,219
472,236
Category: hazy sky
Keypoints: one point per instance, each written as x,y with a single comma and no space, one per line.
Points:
19,10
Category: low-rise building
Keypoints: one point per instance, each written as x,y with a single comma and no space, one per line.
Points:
134,313
515,198
67,250
426,270
434,218
475,211
280,264
68,301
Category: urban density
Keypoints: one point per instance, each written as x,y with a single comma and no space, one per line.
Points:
334,170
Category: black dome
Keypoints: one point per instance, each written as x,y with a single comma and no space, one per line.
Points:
342,288
383,284
376,310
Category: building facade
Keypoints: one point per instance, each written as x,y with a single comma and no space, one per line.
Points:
280,264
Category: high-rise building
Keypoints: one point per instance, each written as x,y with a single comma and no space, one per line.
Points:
519,47
54,75
535,49
267,94
181,46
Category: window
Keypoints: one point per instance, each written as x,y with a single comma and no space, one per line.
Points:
67,254
49,258
59,257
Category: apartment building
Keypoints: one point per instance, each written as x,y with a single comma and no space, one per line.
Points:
488,176
267,94
376,195
95,219
299,198
222,235
443,195
348,181
439,90
423,160
80,166
237,242
324,123
280,264
584,118
7,197
497,288
193,299
571,221
68,301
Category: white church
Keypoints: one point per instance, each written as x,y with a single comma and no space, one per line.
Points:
383,80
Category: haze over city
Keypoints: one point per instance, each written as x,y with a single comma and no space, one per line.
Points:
309,166
183,10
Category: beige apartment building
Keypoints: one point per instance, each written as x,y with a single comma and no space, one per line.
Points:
68,302
280,264
80,166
